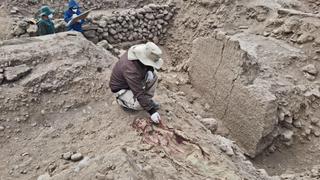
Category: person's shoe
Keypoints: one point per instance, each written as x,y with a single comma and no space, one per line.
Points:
155,105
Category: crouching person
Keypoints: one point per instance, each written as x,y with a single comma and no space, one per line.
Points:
134,79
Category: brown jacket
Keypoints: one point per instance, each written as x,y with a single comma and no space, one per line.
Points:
131,75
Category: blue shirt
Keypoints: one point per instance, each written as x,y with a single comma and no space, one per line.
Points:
77,26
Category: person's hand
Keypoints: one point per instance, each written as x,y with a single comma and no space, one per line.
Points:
150,76
155,117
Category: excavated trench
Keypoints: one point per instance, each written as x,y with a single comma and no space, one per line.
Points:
252,84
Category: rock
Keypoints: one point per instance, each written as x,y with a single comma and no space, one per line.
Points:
89,27
109,177
18,31
100,30
317,41
1,78
266,34
305,38
210,123
24,36
104,44
297,124
313,92
314,121
288,119
14,10
95,39
287,176
16,72
24,25
310,77
243,27
105,35
90,34
316,133
44,177
149,16
291,25
227,149
168,16
67,155
60,25
52,167
32,30
102,23
311,69
307,131
76,157
112,31
116,51
287,135
2,128
100,176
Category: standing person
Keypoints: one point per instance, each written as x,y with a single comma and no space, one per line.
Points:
73,12
45,24
134,79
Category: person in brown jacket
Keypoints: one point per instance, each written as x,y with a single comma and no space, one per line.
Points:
134,79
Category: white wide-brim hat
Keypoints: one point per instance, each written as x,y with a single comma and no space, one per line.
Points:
148,54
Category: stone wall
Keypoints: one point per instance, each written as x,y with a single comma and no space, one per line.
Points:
147,23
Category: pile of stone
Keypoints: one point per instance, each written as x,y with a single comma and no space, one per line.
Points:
147,23
20,29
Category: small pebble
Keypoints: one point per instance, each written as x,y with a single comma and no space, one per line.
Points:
67,155
76,157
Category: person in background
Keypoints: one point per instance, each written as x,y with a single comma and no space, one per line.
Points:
72,12
45,24
134,80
